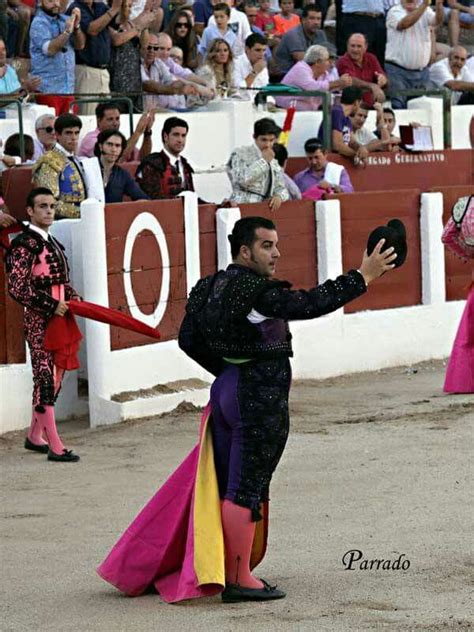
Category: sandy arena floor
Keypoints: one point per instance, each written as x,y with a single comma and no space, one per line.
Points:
380,462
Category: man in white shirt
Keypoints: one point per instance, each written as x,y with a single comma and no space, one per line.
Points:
452,73
250,69
239,24
409,46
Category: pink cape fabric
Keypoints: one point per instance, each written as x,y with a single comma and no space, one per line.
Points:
158,547
460,371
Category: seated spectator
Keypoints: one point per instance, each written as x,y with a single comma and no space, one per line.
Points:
311,74
459,13
53,38
250,69
117,181
281,154
251,11
452,73
342,140
254,172
45,136
265,20
179,73
176,54
60,171
295,42
287,19
182,34
128,36
202,10
219,30
389,122
11,156
167,173
409,46
321,176
364,68
108,117
238,23
9,82
218,67
161,88
365,137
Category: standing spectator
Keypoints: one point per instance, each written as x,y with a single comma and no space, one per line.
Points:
218,67
409,46
327,176
52,53
254,172
92,62
460,13
127,37
45,136
182,34
342,140
311,74
141,6
167,173
220,30
362,16
251,11
287,19
162,89
117,181
281,154
20,14
60,171
238,23
250,69
202,10
264,19
364,68
295,43
453,74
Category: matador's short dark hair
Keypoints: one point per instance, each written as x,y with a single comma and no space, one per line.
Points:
30,198
243,233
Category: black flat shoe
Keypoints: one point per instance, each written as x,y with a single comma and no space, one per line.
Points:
29,445
234,593
67,456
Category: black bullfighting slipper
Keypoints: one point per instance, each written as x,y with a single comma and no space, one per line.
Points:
234,593
67,456
29,445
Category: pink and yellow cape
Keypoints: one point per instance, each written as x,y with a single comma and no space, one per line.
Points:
176,542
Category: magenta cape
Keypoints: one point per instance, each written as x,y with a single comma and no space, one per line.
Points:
176,542
460,371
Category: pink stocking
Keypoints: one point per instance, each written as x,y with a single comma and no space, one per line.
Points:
239,531
47,422
35,434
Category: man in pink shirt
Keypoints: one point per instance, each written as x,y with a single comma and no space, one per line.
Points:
108,117
311,74
364,68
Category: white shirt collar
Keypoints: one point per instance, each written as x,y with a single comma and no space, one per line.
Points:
42,232
172,158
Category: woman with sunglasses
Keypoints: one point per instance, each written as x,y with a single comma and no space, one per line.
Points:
181,31
117,181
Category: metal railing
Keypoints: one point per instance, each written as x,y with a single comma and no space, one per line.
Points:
296,92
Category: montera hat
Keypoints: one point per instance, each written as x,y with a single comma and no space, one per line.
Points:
395,235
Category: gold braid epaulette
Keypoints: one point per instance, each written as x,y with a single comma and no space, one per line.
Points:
56,160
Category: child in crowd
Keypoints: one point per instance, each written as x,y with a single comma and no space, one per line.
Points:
221,30
287,19
265,20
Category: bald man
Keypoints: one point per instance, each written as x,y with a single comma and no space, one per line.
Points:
364,68
452,73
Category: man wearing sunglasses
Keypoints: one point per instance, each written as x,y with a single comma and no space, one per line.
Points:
45,137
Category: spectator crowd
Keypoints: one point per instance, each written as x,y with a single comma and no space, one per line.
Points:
174,56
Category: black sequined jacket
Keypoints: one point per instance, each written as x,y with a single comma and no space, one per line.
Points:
34,265
216,324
